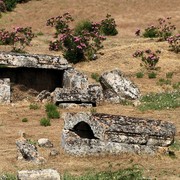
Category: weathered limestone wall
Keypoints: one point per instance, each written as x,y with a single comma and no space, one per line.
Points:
5,91
85,133
33,61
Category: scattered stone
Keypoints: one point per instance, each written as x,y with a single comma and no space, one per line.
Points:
45,174
92,95
28,151
74,79
136,103
86,133
44,95
117,87
54,152
5,93
44,142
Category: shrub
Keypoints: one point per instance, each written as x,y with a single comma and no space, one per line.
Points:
45,122
162,30
2,6
139,75
18,38
24,120
53,114
174,43
149,58
151,32
52,111
108,26
152,75
61,23
80,43
10,4
84,25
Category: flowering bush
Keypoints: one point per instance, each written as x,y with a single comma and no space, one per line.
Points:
60,23
162,31
174,43
75,46
18,38
108,26
149,59
9,5
2,6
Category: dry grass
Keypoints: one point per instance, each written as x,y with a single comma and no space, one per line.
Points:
117,54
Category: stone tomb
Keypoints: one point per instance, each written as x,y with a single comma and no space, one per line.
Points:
86,134
39,72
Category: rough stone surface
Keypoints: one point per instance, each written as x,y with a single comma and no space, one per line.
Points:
44,142
44,95
33,61
74,79
54,152
5,91
28,151
74,105
86,133
45,174
117,87
93,95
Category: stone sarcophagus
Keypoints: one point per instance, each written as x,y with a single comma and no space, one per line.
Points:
87,134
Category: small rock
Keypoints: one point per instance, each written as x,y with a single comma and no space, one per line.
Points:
136,103
43,142
54,152
45,174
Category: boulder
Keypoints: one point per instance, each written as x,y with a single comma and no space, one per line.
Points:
86,133
54,152
93,95
73,79
44,142
45,174
117,87
28,151
44,95
5,92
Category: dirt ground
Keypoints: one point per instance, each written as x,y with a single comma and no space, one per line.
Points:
118,50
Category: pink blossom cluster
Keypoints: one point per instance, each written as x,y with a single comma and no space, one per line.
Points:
19,37
148,57
174,43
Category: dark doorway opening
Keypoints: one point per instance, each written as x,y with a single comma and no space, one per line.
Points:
83,130
34,78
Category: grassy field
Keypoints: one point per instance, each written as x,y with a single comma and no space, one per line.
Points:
129,15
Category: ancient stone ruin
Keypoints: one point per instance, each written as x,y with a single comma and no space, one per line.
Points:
51,76
86,133
56,80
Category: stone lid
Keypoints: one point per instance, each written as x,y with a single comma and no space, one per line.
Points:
10,59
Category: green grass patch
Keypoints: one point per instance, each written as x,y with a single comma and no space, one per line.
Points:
175,146
52,111
159,101
24,120
95,76
34,106
45,122
8,176
139,75
125,174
